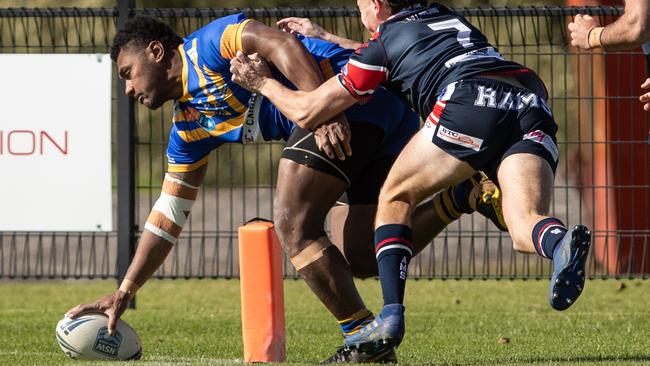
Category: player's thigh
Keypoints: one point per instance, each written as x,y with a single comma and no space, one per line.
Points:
422,169
527,170
309,183
301,205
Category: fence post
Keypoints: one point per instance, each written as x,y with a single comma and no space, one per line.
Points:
125,166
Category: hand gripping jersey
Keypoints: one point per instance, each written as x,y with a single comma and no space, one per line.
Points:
214,110
417,52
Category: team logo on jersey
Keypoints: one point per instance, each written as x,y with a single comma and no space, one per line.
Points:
545,140
208,123
107,344
458,138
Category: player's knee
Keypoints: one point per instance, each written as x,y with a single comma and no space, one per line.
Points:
390,195
295,232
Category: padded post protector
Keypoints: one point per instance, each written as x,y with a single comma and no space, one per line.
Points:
262,293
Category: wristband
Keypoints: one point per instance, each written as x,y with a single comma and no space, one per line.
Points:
593,37
129,287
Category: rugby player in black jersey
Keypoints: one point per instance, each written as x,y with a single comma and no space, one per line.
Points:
482,113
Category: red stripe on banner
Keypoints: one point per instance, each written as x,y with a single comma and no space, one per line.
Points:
393,240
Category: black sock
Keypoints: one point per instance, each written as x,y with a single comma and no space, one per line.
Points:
547,234
393,250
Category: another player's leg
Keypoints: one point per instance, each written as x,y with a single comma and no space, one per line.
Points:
477,193
352,219
301,206
353,233
308,185
527,184
421,169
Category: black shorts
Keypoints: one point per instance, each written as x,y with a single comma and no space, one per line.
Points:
364,172
482,121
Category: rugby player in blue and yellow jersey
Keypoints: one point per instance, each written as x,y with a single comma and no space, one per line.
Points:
482,113
210,110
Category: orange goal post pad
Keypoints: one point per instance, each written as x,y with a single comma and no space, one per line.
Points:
262,293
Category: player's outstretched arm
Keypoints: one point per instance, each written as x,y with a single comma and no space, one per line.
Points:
630,30
307,28
163,227
305,108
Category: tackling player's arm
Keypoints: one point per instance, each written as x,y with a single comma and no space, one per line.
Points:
293,60
366,70
162,229
302,107
308,28
630,30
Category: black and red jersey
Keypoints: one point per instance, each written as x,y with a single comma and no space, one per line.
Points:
417,52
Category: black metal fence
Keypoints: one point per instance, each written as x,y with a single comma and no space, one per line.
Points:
241,179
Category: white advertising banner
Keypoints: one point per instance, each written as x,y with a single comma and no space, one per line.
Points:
55,142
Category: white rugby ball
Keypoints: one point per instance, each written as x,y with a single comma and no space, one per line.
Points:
86,337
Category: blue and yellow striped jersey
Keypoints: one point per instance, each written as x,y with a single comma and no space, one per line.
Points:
211,110
214,110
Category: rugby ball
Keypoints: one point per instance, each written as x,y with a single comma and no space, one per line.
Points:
87,338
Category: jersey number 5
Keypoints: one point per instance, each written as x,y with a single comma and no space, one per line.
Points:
463,30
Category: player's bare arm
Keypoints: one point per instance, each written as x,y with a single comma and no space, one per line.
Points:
308,28
293,60
304,108
283,51
161,232
628,31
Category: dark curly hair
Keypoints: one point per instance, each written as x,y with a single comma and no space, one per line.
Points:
140,31
398,5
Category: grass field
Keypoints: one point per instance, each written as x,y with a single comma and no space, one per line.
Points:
449,323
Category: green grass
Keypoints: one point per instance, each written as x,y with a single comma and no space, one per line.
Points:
449,323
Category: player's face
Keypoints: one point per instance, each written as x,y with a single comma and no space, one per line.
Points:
144,75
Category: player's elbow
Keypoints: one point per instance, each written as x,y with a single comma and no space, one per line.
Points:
286,48
637,27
